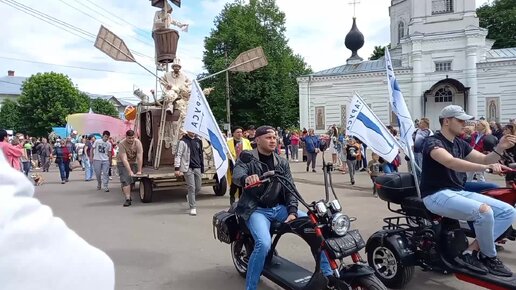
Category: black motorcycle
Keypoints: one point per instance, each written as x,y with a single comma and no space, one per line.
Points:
416,237
326,230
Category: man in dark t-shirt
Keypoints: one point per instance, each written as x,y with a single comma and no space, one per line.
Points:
446,158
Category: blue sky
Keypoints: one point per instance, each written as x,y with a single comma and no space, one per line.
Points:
316,32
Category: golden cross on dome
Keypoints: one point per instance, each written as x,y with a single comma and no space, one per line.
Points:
354,3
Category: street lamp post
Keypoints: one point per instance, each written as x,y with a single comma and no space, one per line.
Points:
228,103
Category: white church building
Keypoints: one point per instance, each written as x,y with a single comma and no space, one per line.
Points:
440,56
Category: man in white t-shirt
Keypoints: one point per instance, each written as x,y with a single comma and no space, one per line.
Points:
38,250
102,160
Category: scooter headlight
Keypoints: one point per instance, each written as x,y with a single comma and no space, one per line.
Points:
321,208
340,224
335,206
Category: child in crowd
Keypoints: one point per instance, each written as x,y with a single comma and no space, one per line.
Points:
373,168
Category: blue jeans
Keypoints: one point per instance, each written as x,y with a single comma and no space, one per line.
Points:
64,169
387,168
479,186
88,168
364,156
465,206
26,167
259,224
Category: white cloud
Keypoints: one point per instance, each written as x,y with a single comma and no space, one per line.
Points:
316,30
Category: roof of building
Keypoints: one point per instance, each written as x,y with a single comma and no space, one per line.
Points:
362,67
11,85
502,53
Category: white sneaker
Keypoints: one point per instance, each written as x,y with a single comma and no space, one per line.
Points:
193,211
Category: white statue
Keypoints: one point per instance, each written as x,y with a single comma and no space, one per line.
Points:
163,19
176,91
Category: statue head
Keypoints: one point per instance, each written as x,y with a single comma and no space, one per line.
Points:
176,65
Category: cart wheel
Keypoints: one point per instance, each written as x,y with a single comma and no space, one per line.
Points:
145,190
221,187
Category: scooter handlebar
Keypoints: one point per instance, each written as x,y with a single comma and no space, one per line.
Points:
263,178
505,171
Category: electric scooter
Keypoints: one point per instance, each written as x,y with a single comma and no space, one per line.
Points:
416,237
326,229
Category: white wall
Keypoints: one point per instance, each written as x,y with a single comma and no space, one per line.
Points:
498,80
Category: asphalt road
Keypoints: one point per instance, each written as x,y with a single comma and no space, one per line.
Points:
159,246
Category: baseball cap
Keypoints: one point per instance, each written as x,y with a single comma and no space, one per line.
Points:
262,130
454,111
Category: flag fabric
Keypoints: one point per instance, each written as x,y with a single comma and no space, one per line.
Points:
365,125
200,120
399,107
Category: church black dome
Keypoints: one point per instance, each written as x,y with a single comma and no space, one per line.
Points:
354,40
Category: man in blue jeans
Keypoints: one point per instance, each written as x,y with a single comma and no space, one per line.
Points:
446,158
258,212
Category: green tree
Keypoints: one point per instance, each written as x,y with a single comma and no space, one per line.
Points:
499,17
10,115
46,100
104,107
268,95
378,52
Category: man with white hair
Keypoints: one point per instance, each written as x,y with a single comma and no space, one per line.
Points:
38,250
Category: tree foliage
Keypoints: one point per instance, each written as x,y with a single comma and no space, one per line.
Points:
10,116
104,107
268,95
378,52
46,100
499,17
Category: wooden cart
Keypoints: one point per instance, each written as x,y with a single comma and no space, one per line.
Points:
158,172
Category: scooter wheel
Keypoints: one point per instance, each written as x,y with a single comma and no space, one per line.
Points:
240,252
387,264
368,283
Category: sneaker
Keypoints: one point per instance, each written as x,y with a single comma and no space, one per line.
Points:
98,187
127,202
496,267
106,189
193,211
63,182
352,182
307,169
66,180
375,195
471,262
110,178
362,170
313,170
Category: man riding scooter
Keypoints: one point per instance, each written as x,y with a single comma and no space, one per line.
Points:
258,213
446,158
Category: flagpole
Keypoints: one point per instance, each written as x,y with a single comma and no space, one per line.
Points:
225,144
381,123
409,153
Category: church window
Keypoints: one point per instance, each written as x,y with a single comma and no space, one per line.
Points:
443,95
442,6
401,31
443,66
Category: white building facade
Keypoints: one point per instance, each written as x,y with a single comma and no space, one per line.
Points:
441,56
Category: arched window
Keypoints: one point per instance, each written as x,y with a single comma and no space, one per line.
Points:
442,6
443,95
401,31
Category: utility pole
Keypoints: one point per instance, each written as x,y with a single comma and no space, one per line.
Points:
228,105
